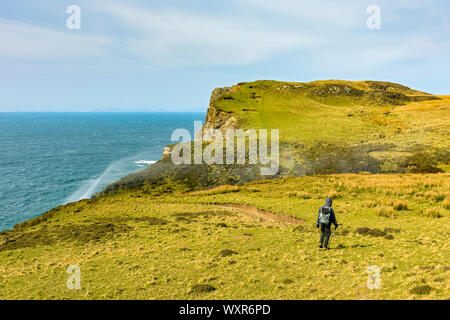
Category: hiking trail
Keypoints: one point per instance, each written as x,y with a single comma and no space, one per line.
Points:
266,215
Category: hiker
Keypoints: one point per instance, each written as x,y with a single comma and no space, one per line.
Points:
325,218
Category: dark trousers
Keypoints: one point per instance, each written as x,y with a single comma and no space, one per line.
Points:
325,234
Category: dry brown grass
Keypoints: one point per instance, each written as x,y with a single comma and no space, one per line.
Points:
446,203
300,195
440,197
333,194
371,203
219,190
399,206
432,213
435,196
385,211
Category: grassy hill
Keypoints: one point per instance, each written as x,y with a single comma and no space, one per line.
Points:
224,232
387,120
325,127
207,245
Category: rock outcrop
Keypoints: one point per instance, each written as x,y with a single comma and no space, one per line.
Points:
219,119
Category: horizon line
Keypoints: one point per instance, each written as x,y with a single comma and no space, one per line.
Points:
99,111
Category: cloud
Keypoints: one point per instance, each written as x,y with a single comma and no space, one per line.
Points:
361,53
346,43
325,34
314,14
29,42
174,37
329,34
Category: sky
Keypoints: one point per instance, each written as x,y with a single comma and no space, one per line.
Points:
169,55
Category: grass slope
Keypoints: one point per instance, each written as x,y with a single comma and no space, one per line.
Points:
154,235
331,110
387,120
325,127
136,245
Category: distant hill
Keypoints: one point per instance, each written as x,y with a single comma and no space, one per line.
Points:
331,126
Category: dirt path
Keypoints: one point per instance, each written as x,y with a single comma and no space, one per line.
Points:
267,215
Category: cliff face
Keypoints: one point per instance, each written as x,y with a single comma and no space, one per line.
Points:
216,118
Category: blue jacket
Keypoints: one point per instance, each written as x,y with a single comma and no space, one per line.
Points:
328,203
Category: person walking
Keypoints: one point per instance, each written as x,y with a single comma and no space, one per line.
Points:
325,218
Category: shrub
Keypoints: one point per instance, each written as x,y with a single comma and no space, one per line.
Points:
201,288
387,212
432,213
252,190
421,162
303,195
430,194
424,289
399,206
333,194
391,230
371,204
227,252
220,190
446,203
371,232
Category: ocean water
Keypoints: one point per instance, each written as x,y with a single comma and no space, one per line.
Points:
49,159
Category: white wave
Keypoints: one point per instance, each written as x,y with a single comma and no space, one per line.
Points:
113,172
145,162
88,189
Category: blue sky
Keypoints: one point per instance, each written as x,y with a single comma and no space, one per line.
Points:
169,55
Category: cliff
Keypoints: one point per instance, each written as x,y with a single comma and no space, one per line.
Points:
216,118
325,127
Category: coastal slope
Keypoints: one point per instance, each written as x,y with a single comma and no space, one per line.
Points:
325,127
379,150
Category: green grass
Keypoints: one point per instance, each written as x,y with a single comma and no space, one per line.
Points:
298,108
179,245
325,127
157,235
387,119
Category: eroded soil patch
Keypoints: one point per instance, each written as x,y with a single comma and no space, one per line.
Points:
266,215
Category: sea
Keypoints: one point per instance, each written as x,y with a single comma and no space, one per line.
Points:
50,159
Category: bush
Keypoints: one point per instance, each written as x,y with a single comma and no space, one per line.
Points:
371,204
446,203
399,206
333,194
424,289
201,288
301,195
221,190
421,162
439,197
387,212
251,190
432,213
371,232
327,158
227,252
429,194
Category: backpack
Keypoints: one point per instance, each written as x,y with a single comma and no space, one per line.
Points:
325,215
